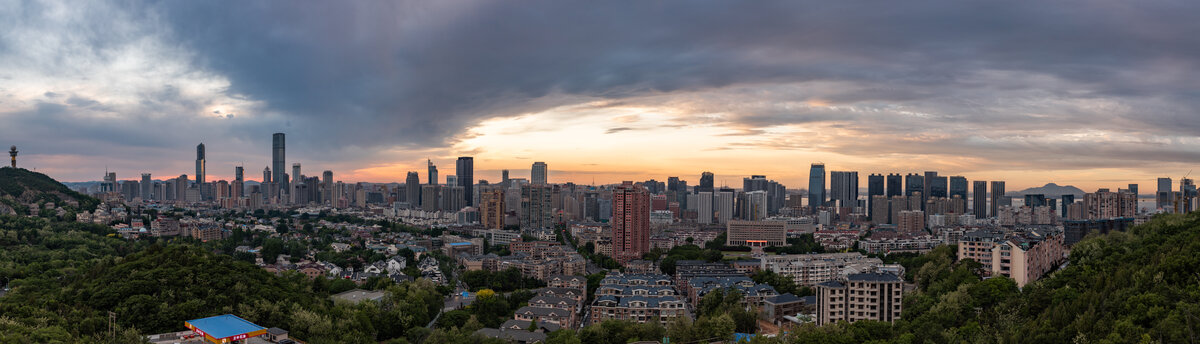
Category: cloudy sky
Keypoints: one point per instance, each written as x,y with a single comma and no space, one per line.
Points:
1090,93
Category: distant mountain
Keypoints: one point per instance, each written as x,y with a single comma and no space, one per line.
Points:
1051,190
20,187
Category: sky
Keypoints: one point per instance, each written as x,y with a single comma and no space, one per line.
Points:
1088,93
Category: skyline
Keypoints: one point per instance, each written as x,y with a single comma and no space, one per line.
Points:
614,91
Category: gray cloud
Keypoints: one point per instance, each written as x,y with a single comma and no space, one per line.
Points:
342,78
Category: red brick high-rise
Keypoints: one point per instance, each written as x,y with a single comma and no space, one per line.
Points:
630,222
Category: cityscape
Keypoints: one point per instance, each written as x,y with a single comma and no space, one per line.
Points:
557,173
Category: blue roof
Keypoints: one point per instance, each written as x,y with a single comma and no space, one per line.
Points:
227,325
459,243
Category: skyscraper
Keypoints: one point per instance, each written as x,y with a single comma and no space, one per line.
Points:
1163,197
843,187
875,187
928,190
723,203
816,185
538,174
980,199
958,187
704,207
200,172
464,168
147,187
296,184
238,187
914,184
706,182
327,195
412,189
432,177
278,164
997,197
630,222
895,185
504,178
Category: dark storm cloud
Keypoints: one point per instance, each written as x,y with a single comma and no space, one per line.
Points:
417,74
386,73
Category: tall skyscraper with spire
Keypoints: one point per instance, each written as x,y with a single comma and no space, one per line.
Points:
464,168
278,164
200,172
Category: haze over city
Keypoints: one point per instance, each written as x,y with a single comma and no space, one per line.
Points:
1091,94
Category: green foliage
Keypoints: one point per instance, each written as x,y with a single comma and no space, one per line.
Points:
501,281
803,244
1137,287
66,277
33,187
782,284
687,252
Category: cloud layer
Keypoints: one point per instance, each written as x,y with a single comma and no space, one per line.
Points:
964,86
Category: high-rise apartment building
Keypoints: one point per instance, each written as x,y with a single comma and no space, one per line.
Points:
979,204
464,168
327,195
504,178
704,207
278,164
723,202
875,187
911,221
1105,204
843,187
430,194
537,207
147,187
914,184
412,189
928,190
491,207
630,222
998,198
958,187
895,185
538,174
816,186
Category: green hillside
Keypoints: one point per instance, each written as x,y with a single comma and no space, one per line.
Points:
19,186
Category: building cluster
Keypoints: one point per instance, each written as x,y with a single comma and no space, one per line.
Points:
1024,256
534,259
640,298
560,305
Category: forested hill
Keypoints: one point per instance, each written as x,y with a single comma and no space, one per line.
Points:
1137,287
19,186
66,277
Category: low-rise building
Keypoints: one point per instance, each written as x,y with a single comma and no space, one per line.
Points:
811,269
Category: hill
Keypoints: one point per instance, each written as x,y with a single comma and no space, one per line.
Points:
1051,190
19,187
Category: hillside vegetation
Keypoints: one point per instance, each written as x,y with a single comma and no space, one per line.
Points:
19,186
